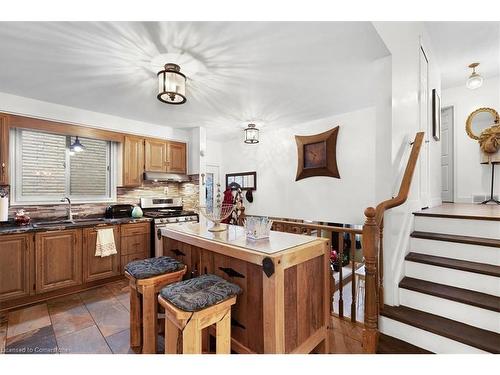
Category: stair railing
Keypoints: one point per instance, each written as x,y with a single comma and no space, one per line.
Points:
373,250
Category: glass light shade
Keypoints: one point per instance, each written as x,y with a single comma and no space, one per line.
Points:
251,134
475,81
171,85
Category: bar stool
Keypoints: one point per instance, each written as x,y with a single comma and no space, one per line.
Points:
192,305
147,277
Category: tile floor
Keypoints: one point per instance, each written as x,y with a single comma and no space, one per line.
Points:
95,321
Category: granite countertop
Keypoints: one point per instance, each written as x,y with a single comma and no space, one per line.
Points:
10,227
235,236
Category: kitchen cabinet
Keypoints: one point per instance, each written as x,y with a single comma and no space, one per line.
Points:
4,150
133,161
135,242
16,266
165,156
96,267
156,155
58,256
187,254
176,157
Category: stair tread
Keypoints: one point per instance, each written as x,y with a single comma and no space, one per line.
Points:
469,297
482,339
391,345
457,238
457,264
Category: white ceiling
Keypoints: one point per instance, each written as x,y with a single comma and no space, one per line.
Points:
271,73
457,44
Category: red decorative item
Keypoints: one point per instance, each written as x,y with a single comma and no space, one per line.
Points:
22,218
333,256
228,199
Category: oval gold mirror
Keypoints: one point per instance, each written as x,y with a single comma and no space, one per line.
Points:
480,120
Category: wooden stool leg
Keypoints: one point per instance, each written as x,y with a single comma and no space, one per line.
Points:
171,337
135,317
223,334
191,338
149,320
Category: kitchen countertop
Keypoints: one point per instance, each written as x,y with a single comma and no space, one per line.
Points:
235,236
11,228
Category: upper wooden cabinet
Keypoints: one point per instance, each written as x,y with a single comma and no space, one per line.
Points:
96,267
58,259
165,156
16,266
156,155
4,150
176,157
133,161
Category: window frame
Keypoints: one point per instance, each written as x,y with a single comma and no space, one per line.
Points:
15,164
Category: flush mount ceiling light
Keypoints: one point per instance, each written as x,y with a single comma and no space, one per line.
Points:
76,147
171,85
475,80
251,134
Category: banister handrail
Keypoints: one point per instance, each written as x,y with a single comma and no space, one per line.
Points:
404,188
326,228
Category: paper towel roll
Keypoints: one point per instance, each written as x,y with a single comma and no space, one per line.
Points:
4,209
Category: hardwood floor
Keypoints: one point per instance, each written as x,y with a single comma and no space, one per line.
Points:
463,211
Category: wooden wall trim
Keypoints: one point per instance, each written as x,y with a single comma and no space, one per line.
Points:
16,121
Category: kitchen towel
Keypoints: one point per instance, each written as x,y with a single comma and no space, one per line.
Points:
4,209
105,244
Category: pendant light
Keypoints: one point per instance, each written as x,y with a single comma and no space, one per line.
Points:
251,134
171,85
475,80
76,146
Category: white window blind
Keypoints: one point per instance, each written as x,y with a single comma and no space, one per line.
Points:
44,170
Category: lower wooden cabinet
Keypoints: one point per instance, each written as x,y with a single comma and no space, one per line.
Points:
16,266
95,267
58,259
135,242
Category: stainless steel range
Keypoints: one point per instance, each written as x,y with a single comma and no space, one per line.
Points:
165,211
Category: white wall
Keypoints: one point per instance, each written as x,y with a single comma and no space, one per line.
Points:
35,108
318,198
403,39
470,177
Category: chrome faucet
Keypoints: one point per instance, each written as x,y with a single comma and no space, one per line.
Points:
68,210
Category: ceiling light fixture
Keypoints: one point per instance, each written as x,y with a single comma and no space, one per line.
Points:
475,80
251,134
171,85
76,146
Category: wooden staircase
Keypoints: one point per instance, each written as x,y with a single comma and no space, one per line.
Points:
449,297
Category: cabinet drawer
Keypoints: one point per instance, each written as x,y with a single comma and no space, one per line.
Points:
138,243
136,228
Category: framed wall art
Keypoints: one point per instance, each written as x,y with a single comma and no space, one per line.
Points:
246,180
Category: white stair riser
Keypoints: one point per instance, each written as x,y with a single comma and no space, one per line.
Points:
473,253
460,227
460,312
460,279
424,339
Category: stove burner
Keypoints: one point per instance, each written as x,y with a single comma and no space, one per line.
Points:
167,213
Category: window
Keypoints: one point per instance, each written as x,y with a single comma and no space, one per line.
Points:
44,171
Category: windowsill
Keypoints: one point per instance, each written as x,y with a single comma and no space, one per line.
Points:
57,203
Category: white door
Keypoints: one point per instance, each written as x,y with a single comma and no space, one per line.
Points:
424,126
447,154
211,181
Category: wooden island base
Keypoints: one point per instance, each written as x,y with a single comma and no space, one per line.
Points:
285,280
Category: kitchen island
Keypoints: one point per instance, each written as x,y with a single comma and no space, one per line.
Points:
284,307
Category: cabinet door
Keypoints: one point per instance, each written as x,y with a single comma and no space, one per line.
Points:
4,150
58,259
156,155
176,160
133,161
16,253
95,267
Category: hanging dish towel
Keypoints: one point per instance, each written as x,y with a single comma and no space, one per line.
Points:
105,245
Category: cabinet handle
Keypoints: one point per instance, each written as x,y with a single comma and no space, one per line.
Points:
178,252
231,272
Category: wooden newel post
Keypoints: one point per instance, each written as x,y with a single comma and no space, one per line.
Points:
370,245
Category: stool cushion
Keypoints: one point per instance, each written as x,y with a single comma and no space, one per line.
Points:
145,268
200,292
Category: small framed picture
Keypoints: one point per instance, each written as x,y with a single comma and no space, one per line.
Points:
436,115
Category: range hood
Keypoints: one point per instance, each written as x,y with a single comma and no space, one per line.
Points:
167,177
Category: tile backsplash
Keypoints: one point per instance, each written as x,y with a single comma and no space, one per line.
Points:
188,191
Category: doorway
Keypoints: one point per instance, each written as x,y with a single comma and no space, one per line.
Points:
212,179
447,182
